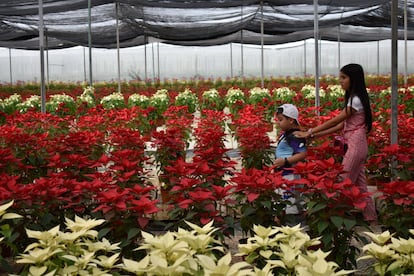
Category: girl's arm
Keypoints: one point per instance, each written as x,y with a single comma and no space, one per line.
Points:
333,129
329,126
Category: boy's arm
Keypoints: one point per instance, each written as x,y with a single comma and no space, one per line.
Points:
300,156
280,162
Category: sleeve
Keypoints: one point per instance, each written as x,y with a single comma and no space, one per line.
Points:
355,103
297,144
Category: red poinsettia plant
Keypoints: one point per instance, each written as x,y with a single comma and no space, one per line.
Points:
171,142
54,170
198,186
396,211
251,134
333,208
259,193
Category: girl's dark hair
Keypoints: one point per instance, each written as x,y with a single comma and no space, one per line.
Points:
357,88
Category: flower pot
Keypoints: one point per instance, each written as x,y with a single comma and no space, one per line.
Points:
165,196
371,181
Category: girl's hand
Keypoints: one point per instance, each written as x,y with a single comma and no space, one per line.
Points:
302,134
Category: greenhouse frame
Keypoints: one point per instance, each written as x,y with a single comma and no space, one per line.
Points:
233,27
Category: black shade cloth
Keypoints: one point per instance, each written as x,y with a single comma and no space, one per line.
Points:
196,22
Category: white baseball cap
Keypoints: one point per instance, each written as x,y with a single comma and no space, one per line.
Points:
289,110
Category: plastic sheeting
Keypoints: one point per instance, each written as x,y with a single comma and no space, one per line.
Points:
166,61
196,22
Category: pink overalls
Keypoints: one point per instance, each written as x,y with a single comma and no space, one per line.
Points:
355,158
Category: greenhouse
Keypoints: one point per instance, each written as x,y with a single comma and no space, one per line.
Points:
221,137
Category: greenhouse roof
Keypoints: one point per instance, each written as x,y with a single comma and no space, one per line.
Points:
196,22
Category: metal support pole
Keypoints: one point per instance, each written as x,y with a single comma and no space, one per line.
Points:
84,64
231,60
261,44
145,58
394,72
394,82
405,44
241,46
304,59
47,60
90,41
118,58
378,58
316,36
42,59
339,47
153,61
158,61
10,66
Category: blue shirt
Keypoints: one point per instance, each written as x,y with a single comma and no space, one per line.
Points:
288,145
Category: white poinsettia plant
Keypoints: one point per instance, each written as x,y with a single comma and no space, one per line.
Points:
309,91
234,100
87,96
391,255
139,100
185,252
112,101
197,251
74,252
287,251
211,99
33,102
4,215
258,94
234,95
211,94
335,91
57,100
9,104
187,98
283,93
160,100
7,233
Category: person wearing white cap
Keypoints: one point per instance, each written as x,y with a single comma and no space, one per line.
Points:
289,149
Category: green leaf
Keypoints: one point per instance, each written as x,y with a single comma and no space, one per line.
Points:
311,204
252,257
229,221
317,207
14,236
322,225
267,204
103,232
47,219
248,211
337,221
132,233
327,240
349,223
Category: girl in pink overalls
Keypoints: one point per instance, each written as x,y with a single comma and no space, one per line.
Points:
356,121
